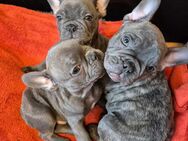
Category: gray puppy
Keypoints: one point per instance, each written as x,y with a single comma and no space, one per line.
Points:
65,92
78,19
139,102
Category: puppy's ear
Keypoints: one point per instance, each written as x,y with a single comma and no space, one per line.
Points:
101,6
144,11
38,80
175,56
55,4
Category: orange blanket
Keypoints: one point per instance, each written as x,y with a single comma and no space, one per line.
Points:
25,37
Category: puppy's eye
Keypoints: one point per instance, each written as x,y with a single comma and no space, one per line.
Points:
88,17
59,17
76,69
150,68
125,40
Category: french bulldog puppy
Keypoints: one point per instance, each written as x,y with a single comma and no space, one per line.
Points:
139,102
64,92
78,19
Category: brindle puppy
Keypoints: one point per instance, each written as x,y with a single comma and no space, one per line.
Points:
139,102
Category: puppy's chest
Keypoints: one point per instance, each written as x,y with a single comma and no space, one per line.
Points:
140,101
82,105
67,105
63,103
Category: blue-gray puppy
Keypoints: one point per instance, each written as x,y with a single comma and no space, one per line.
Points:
63,94
78,19
139,102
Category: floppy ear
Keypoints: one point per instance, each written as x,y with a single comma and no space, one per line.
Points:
55,4
37,80
101,6
175,56
144,11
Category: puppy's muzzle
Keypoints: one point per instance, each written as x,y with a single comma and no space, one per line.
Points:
119,65
128,67
71,27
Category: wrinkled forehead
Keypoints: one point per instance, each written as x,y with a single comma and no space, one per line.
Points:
145,42
61,60
65,53
78,7
141,35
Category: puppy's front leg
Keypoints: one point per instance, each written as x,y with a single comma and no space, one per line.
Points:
39,116
78,129
92,129
60,128
39,67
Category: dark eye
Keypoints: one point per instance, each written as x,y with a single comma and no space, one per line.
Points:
88,18
59,17
150,68
76,69
125,40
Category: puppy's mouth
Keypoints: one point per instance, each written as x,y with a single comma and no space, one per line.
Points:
115,77
82,90
85,38
123,78
90,84
125,71
75,30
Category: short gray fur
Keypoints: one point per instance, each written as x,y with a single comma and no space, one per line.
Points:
138,112
64,93
139,102
78,19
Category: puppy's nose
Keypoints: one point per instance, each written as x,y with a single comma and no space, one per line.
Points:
128,67
71,28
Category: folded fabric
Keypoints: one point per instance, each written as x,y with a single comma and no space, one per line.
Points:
25,37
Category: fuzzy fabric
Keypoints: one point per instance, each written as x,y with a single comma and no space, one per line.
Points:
25,37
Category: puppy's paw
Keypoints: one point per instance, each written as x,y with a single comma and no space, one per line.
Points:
53,137
60,129
92,129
